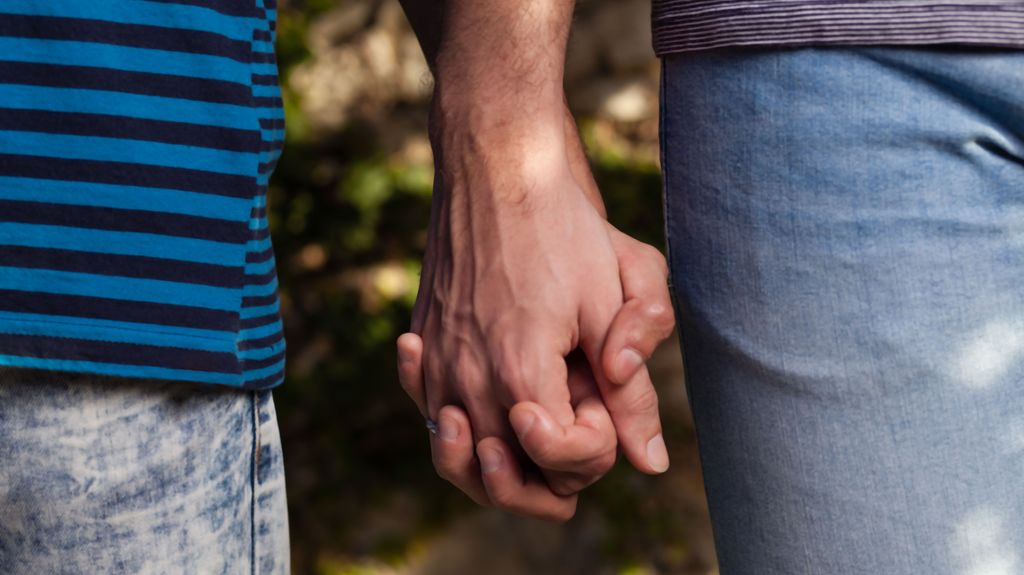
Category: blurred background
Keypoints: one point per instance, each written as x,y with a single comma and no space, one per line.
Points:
350,202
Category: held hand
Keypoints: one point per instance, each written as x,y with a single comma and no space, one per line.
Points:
644,320
520,269
507,293
586,449
502,277
648,318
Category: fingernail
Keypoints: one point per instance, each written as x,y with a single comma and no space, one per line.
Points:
404,357
522,421
626,364
490,460
448,431
657,454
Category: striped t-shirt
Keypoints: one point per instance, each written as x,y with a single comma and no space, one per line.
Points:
687,25
136,141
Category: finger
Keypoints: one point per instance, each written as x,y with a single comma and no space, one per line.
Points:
452,447
586,447
646,318
582,383
410,369
589,411
633,406
634,411
467,385
527,365
509,489
438,388
531,366
453,454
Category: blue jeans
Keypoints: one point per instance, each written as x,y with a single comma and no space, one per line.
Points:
846,241
138,476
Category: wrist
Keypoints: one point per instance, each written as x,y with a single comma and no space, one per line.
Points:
485,136
495,114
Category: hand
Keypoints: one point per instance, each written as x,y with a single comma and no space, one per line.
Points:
643,321
518,274
647,319
506,293
586,449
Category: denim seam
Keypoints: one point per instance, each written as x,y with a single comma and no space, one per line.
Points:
253,478
664,174
666,209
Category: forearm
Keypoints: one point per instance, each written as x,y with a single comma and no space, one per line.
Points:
509,54
520,268
497,68
427,17
499,47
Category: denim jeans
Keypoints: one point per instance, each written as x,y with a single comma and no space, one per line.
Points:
846,241
138,476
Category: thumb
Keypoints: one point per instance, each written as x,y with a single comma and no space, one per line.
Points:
646,318
633,405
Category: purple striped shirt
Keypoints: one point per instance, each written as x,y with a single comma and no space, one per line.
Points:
687,25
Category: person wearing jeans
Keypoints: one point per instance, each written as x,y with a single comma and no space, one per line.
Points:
843,184
846,238
140,333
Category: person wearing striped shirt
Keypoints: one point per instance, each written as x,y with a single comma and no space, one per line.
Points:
843,194
140,333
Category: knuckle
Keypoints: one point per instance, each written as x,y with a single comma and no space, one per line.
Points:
464,387
465,367
662,264
629,257
643,401
659,313
634,335
653,255
657,310
514,375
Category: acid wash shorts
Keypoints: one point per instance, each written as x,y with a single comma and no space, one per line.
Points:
138,476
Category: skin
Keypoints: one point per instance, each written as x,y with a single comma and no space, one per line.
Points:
528,350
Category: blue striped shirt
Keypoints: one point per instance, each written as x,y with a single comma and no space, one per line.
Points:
137,138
